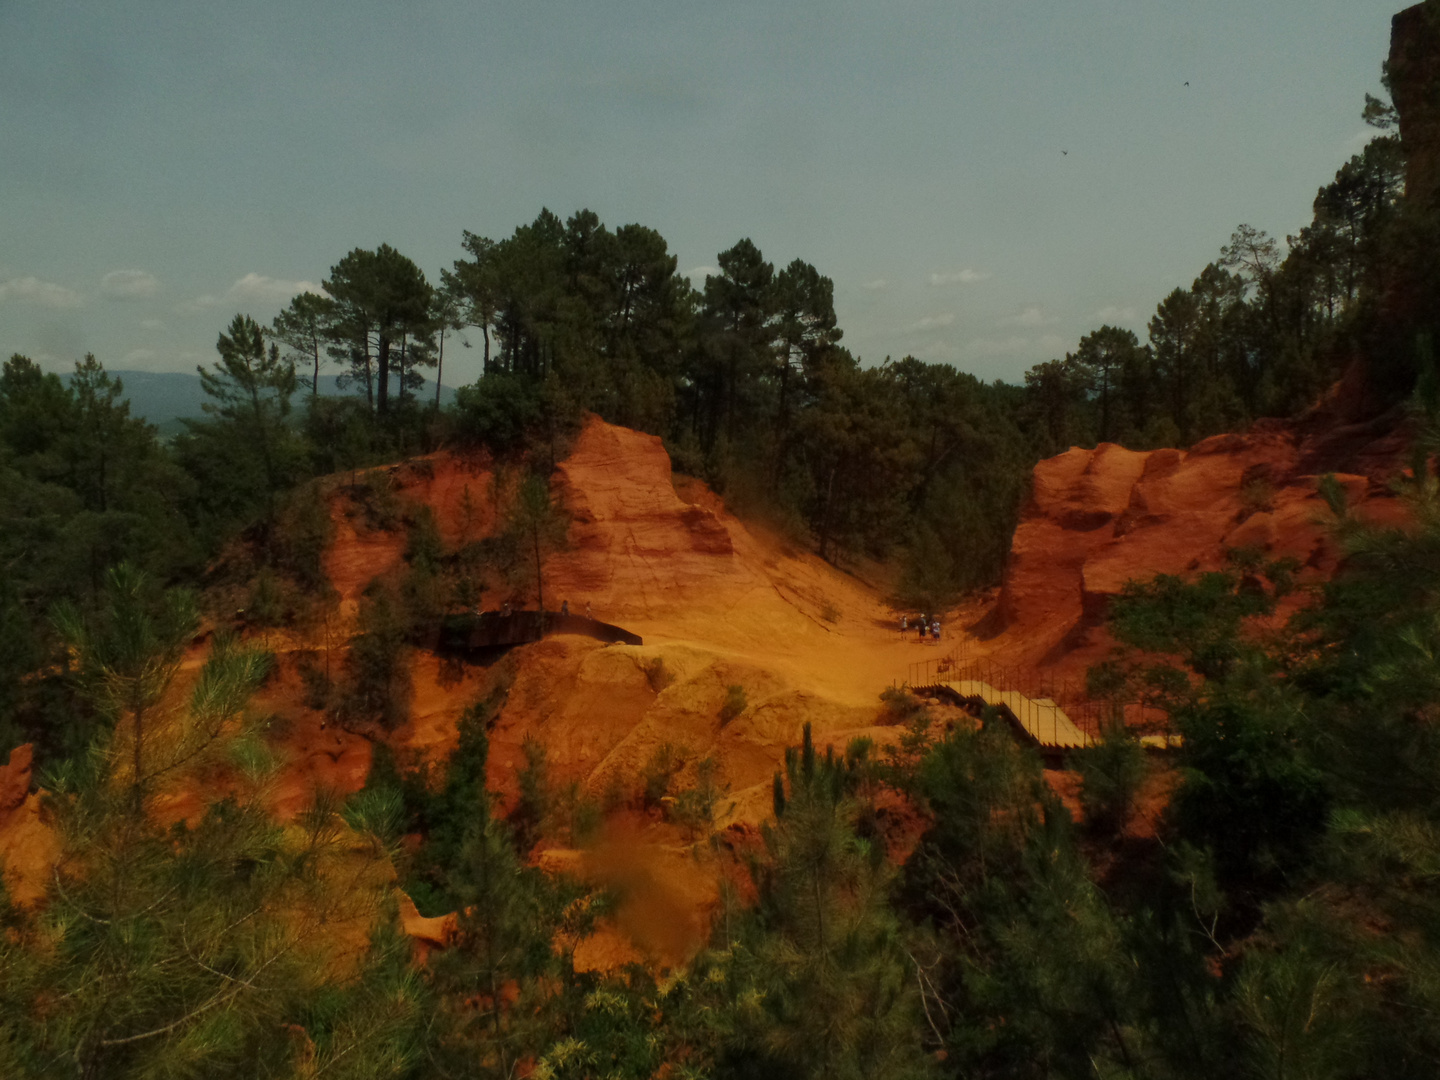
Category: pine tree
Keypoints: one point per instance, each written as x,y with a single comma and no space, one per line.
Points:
191,939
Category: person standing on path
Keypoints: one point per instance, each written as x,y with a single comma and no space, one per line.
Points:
904,626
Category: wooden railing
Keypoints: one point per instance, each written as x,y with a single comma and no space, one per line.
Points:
1089,714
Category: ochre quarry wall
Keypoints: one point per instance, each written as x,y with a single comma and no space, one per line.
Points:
718,605
1099,518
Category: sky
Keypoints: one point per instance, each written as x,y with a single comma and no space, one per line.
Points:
985,181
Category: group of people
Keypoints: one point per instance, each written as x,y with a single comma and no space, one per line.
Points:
926,624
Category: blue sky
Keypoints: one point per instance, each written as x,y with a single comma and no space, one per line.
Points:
165,165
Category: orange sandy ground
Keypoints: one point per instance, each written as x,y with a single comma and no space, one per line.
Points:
722,604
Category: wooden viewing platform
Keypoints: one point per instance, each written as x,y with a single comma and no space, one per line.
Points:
491,629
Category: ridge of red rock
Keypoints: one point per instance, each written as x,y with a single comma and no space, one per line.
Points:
1099,518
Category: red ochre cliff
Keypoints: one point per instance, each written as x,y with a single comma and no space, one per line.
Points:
1099,518
721,604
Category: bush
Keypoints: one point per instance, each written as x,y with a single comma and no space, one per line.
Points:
497,410
314,679
1111,773
532,813
695,806
900,705
302,532
659,773
735,703
266,604
379,505
377,676
424,548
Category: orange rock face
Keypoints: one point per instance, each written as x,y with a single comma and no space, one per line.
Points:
1099,518
28,845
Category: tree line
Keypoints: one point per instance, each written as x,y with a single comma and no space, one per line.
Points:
1261,332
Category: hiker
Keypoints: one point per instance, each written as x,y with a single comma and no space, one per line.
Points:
904,624
587,610
505,611
564,607
935,631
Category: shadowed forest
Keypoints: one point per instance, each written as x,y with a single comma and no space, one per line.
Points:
927,909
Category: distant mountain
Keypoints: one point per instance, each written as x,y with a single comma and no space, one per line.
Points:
164,397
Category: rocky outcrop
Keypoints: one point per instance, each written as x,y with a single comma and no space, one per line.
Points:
1099,518
15,779
635,547
28,845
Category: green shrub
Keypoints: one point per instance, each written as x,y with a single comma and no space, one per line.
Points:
377,685
1257,496
303,530
1111,773
424,547
265,606
695,806
314,679
578,816
659,773
535,807
498,410
379,505
901,706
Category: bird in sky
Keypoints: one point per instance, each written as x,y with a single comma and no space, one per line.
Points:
1187,82
1064,151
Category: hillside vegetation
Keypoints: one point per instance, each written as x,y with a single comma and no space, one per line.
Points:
257,824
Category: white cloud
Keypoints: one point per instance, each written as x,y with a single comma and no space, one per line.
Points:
1031,316
930,322
258,289
700,273
958,277
1050,343
1113,314
152,324
31,290
138,357
129,285
878,283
